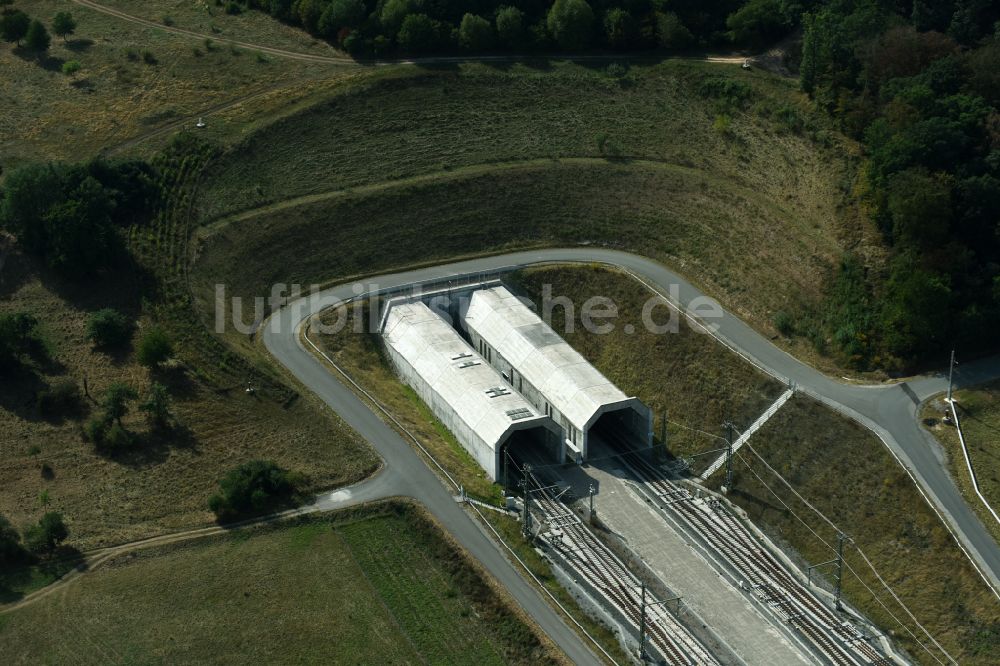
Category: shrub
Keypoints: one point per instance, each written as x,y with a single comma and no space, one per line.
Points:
47,534
59,399
418,33
671,33
475,33
37,38
115,403
117,439
784,323
157,406
109,328
234,8
721,124
154,348
571,22
254,488
148,57
18,336
71,67
63,24
167,20
510,26
11,550
95,430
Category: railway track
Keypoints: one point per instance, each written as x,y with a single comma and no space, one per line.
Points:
839,642
606,574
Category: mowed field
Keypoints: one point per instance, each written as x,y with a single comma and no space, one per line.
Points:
137,79
408,165
371,585
979,411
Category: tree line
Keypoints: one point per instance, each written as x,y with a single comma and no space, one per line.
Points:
375,28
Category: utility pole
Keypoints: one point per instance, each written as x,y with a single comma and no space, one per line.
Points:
506,471
526,519
951,371
729,455
591,502
841,537
642,626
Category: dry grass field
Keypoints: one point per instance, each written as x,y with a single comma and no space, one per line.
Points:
164,484
118,96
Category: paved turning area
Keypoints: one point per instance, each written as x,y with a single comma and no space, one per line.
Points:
735,620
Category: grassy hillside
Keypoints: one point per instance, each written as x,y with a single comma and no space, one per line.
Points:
380,584
164,483
118,96
979,410
472,159
849,475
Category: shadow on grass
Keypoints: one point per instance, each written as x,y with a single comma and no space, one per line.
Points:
154,446
19,581
79,45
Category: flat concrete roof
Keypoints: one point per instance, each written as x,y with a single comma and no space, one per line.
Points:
568,381
458,375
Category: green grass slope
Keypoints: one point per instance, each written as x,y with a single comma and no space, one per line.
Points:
376,585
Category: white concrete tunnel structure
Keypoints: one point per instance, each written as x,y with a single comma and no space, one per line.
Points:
552,375
465,392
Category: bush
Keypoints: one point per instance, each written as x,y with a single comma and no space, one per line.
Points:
510,26
784,323
11,550
418,33
475,33
117,439
18,336
47,534
157,406
115,403
95,431
148,57
71,67
671,33
254,488
109,328
37,38
571,22
154,348
234,8
59,399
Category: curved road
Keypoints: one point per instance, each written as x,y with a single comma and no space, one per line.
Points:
889,410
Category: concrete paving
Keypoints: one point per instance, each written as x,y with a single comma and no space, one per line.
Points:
681,566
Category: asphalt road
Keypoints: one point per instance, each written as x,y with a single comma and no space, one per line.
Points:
889,410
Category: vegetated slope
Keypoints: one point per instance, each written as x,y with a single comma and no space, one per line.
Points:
848,474
749,211
979,411
378,584
402,122
734,242
161,483
132,79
